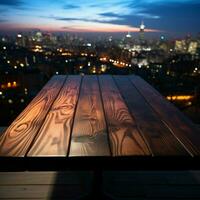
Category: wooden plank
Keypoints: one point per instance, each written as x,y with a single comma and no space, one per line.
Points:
158,137
124,136
181,126
41,191
45,178
54,135
18,137
89,135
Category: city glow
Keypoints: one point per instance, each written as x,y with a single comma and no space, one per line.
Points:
180,97
9,85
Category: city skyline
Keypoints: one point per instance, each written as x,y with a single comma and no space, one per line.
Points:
172,17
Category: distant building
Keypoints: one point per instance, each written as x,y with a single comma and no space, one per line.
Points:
128,42
181,46
21,40
192,49
128,35
38,36
142,30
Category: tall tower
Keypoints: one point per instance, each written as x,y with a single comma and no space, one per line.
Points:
142,30
128,35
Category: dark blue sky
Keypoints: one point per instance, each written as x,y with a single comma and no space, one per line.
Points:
174,17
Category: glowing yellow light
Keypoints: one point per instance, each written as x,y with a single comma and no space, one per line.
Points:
66,54
14,84
103,68
38,47
180,97
21,64
9,84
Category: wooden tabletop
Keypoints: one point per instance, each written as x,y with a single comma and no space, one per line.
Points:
111,116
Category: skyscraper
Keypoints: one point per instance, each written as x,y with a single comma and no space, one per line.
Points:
142,30
128,35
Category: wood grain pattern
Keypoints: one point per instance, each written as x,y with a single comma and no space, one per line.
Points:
41,191
159,138
53,137
89,135
182,128
45,178
18,137
123,133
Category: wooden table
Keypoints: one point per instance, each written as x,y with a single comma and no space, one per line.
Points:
99,122
99,117
75,116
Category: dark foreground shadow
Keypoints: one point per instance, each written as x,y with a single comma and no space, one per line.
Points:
129,185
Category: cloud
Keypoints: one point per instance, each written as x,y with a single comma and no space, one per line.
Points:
134,9
10,3
103,20
157,14
177,17
70,6
101,27
149,16
161,2
110,14
140,14
3,20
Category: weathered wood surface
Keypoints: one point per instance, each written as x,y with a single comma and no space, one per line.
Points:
180,126
89,135
168,185
158,137
18,137
99,116
43,178
41,191
124,136
146,185
54,136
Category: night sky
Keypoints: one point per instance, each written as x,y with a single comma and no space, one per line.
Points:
175,17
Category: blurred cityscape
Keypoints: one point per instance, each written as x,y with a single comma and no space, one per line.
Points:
29,59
